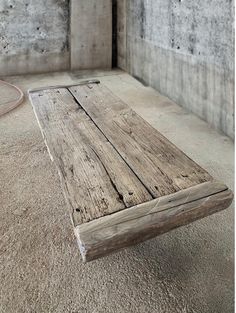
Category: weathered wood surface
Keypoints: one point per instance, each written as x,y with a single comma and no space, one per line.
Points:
83,82
160,165
144,221
124,182
95,179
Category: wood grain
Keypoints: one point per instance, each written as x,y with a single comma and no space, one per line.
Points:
95,179
124,182
160,165
131,226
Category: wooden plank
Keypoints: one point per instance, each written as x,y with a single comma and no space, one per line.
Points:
124,181
160,165
131,226
83,82
91,34
95,179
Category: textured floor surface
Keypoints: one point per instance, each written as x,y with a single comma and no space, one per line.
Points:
187,270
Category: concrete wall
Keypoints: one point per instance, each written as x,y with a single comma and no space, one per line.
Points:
184,49
53,35
33,36
91,34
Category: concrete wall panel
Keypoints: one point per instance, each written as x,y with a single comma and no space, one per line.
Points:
33,36
184,49
91,34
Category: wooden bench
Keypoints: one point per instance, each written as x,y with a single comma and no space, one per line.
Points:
124,182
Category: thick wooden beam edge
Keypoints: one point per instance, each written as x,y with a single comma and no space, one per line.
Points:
84,82
112,233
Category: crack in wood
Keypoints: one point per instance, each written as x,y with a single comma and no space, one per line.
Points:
121,197
79,104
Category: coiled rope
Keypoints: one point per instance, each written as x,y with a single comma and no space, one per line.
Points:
7,106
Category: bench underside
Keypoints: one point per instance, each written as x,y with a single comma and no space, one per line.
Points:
123,181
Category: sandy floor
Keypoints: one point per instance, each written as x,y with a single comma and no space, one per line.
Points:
186,270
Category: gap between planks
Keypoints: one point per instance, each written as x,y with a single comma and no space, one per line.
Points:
74,142
89,120
159,165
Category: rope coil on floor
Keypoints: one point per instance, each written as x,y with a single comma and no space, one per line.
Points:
11,104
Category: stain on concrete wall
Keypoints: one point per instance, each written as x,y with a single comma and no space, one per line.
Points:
185,50
33,36
200,28
114,33
121,34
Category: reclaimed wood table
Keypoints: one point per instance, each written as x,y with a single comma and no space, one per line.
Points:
123,181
